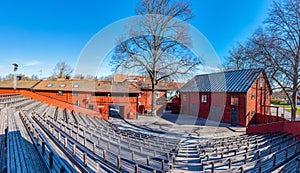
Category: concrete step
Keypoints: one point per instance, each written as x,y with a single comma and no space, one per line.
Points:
189,161
188,155
187,158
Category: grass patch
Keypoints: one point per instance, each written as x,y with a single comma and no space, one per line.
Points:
298,111
289,108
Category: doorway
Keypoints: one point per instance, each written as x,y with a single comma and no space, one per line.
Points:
234,110
234,116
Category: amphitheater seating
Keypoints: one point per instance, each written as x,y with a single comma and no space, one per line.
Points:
97,135
91,144
291,166
259,155
22,156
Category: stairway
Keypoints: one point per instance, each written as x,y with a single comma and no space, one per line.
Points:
187,158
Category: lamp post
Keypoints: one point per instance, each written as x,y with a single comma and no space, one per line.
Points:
15,75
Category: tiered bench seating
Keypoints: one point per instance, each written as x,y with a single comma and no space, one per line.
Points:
22,156
36,137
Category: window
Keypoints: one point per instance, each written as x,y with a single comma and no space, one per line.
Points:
234,100
157,94
75,86
60,93
91,107
204,98
184,97
75,94
253,96
77,103
252,112
49,85
261,81
62,85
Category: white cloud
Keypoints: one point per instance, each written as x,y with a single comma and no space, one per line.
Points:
205,69
32,63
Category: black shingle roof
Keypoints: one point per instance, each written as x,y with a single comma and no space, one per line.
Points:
227,81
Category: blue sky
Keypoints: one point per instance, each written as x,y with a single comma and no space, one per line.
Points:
38,34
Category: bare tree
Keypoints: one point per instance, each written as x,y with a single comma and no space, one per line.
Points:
10,76
157,44
238,58
276,48
279,44
106,78
34,77
79,76
89,76
62,70
19,77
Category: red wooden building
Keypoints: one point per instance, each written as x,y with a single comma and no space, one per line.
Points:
95,95
145,95
230,97
129,94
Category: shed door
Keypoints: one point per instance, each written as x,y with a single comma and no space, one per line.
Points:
234,110
234,116
114,111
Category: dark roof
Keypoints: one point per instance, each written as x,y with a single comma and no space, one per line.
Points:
227,81
87,86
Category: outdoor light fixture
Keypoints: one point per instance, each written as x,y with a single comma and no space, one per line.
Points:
15,67
15,77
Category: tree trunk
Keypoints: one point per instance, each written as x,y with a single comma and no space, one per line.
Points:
153,101
294,106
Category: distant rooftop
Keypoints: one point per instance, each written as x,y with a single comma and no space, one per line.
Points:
22,84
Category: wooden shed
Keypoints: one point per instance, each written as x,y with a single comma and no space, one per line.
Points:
231,96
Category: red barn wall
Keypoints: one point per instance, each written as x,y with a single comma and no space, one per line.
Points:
145,100
258,98
129,103
286,126
67,100
51,101
69,97
8,91
222,103
218,106
190,103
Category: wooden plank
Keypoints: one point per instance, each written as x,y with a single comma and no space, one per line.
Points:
16,161
20,161
32,159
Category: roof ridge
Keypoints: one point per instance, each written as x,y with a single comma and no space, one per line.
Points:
235,70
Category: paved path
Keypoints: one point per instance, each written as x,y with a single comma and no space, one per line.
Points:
186,125
283,113
188,128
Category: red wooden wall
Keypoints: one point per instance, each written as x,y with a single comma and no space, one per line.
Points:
129,103
145,100
286,126
54,102
81,98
